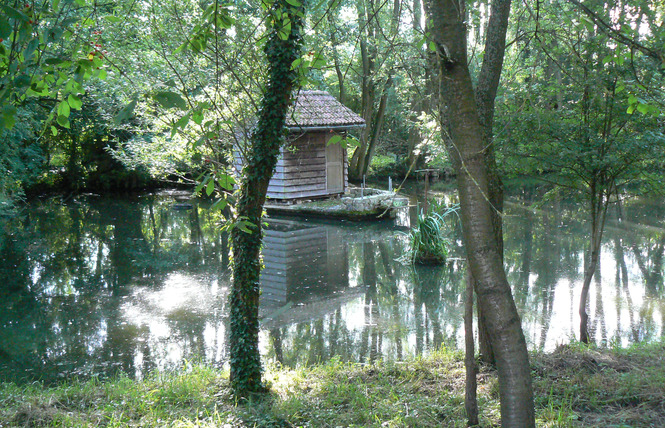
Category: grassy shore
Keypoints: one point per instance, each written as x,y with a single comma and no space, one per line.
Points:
574,386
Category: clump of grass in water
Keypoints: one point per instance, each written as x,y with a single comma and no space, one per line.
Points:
428,243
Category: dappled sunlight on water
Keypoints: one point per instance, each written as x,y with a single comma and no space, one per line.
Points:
99,286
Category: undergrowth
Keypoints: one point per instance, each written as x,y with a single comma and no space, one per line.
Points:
574,386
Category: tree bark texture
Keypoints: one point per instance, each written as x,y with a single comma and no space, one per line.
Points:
258,169
486,89
476,173
470,395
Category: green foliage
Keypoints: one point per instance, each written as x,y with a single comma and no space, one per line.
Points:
21,157
384,166
44,55
428,243
585,108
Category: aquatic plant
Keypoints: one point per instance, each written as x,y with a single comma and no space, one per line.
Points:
427,239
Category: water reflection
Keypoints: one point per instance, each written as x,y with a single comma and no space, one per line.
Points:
132,284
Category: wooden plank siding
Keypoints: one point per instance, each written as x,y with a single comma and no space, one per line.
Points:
301,169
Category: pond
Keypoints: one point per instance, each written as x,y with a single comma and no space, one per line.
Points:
100,285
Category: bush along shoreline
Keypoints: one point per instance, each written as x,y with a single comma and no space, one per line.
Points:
574,386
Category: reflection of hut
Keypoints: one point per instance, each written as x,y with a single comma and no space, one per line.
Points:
309,167
303,264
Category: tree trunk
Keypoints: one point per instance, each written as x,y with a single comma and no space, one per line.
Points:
470,400
265,142
366,23
376,126
468,116
338,67
599,202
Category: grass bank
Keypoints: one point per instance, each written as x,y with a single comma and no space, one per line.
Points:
574,386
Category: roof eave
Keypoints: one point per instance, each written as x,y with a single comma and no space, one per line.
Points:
297,128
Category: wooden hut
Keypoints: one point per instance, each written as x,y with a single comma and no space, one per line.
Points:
308,167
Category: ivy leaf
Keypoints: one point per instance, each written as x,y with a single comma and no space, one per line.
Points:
226,181
351,141
22,81
14,13
219,204
30,49
201,184
244,225
197,116
180,124
169,99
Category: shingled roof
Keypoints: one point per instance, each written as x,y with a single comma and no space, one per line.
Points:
320,110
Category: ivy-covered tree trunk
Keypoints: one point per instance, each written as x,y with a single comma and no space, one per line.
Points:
282,48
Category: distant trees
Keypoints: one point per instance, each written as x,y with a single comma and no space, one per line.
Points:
585,103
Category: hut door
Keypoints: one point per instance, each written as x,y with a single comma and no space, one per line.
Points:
334,168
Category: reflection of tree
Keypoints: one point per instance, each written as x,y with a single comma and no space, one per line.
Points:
600,323
623,288
61,266
64,278
534,249
368,275
651,264
427,285
130,253
276,341
389,285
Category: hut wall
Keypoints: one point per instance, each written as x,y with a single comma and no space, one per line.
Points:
301,169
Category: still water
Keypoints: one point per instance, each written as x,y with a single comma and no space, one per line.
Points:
99,285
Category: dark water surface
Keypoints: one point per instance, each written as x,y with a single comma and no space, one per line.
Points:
99,285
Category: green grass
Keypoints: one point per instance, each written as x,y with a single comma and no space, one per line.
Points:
574,386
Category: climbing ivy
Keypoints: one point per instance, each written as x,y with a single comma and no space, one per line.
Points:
282,48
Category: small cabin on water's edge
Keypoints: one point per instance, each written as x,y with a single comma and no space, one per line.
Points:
307,166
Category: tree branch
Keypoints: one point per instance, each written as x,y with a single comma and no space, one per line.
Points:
617,36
